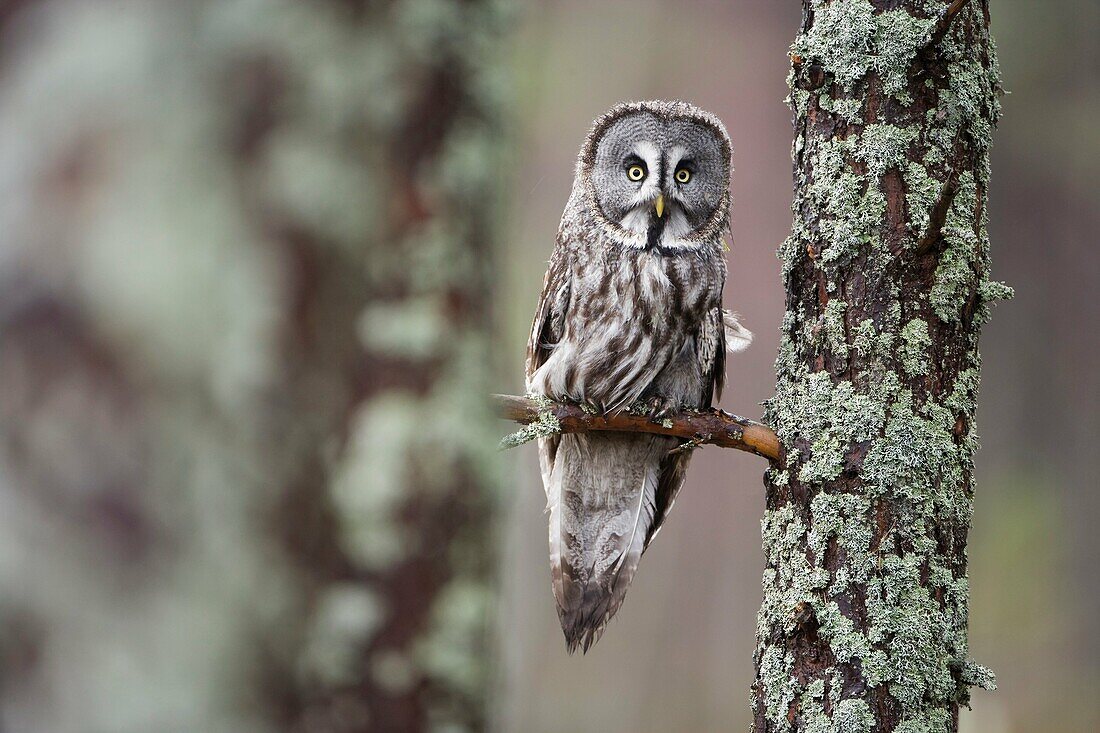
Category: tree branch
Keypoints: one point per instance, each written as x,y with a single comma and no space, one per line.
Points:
937,217
946,16
544,417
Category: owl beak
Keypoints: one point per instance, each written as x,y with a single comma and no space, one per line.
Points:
660,206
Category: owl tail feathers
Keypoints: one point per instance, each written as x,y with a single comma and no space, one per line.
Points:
583,623
602,503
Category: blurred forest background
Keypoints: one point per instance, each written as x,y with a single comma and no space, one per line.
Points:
261,259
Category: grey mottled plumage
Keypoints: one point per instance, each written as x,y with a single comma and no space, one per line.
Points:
630,311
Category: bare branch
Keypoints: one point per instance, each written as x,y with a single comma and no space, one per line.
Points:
933,233
953,9
946,16
544,417
932,239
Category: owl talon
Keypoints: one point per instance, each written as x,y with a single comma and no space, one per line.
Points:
661,408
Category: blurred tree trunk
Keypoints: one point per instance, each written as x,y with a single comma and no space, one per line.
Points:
399,321
248,247
864,619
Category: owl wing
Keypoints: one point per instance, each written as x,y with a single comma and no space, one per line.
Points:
711,361
719,332
549,322
546,330
710,352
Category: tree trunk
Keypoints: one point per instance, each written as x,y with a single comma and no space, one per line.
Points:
247,249
863,625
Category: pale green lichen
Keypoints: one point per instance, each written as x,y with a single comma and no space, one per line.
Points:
917,458
963,254
545,426
873,343
850,715
954,276
976,675
452,647
836,338
780,689
884,147
921,192
847,108
411,328
849,40
850,208
368,487
834,415
345,616
784,572
991,291
931,722
853,716
913,352
838,190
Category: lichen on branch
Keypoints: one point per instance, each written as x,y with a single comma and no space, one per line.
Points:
544,424
543,418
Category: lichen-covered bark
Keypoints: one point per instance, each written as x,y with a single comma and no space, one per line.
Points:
248,250
405,526
863,625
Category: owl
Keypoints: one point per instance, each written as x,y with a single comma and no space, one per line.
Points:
630,313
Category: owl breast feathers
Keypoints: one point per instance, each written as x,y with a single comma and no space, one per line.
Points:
630,312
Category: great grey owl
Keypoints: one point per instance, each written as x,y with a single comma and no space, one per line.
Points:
630,312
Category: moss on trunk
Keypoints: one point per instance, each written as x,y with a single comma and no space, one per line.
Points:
863,626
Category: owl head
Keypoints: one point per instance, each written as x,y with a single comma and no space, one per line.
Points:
658,173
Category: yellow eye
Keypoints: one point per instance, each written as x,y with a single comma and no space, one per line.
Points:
683,175
635,173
